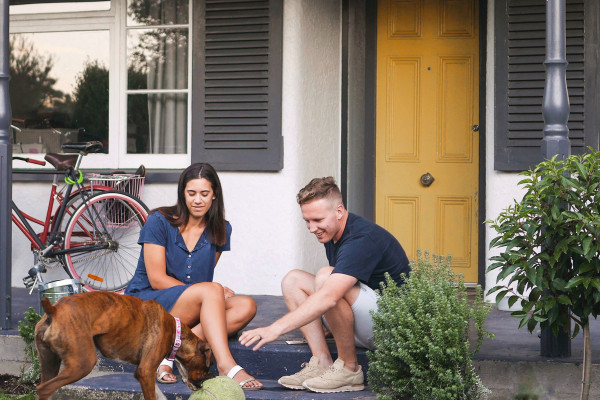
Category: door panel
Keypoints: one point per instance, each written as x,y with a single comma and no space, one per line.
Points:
427,103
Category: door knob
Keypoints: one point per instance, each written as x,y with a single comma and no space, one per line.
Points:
427,179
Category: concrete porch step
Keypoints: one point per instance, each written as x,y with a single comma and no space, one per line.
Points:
123,386
270,362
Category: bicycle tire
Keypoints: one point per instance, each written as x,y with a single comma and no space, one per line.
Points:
118,217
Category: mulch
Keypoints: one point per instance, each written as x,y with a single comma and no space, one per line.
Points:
10,384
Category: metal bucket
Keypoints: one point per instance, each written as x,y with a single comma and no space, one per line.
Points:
56,290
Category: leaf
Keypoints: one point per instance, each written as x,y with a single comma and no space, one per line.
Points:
512,300
574,282
575,331
564,299
587,244
501,295
596,283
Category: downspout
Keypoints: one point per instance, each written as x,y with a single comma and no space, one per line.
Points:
556,133
5,174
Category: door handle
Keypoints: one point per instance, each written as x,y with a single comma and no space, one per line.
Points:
427,179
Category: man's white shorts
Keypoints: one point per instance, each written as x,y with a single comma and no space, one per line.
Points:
363,322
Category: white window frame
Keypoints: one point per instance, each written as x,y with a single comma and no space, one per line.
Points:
159,161
113,20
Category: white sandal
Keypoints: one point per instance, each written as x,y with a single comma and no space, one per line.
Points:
160,376
233,371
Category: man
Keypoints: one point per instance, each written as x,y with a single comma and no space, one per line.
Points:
359,254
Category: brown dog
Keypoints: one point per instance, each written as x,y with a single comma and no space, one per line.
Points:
121,327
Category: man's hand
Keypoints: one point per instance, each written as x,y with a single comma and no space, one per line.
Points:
228,292
260,336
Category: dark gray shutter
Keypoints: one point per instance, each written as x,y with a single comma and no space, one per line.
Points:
236,105
520,78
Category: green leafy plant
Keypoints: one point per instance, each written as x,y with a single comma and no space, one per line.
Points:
26,329
550,249
421,336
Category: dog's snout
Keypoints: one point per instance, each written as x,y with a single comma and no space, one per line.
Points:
205,378
198,383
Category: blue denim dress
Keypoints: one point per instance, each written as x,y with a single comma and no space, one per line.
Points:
186,266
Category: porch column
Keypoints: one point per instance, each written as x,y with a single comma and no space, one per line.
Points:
5,174
556,133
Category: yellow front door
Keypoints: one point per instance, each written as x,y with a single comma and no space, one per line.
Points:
427,140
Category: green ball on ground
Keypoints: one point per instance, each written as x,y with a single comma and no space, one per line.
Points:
219,388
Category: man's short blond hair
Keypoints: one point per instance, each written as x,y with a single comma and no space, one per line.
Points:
320,188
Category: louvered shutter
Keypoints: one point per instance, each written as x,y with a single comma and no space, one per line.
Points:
520,79
237,85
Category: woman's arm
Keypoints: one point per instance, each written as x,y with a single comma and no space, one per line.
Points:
156,267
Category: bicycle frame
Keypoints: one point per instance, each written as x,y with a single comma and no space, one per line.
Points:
51,225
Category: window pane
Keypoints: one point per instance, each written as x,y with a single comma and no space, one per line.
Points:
32,7
157,58
59,84
151,12
157,123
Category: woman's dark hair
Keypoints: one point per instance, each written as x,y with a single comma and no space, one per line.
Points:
178,214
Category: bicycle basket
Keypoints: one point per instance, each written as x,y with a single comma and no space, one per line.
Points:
118,214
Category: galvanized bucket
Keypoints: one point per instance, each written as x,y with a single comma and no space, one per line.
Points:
56,290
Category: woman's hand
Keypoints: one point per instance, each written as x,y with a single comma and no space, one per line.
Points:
228,292
260,336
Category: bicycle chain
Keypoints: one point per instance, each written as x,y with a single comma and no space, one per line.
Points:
90,257
50,262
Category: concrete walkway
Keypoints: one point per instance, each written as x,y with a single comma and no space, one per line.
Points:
509,365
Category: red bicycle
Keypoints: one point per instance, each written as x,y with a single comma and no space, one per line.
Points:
90,229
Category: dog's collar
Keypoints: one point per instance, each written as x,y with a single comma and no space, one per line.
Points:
177,343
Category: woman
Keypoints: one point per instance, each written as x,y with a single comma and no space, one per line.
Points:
181,246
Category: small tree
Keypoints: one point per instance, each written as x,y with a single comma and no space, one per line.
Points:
421,336
550,242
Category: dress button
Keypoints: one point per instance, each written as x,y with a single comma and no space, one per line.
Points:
189,266
189,256
188,277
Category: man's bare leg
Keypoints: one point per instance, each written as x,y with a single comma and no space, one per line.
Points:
296,286
341,321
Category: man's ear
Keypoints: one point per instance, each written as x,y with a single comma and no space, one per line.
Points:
339,211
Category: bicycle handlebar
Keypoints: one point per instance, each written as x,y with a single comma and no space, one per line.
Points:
30,160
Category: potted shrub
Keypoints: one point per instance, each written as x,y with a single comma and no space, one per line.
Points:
421,336
550,249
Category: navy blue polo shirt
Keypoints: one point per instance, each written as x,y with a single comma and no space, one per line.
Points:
366,251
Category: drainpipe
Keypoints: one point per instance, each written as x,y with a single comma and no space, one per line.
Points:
5,174
556,133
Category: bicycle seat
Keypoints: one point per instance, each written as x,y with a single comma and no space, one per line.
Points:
61,162
84,147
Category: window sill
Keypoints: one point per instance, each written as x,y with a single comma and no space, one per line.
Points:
38,175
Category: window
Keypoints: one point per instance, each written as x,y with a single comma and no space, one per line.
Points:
123,72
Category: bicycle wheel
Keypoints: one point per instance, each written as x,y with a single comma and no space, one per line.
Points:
112,220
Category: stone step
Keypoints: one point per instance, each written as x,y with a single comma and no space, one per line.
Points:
124,386
270,362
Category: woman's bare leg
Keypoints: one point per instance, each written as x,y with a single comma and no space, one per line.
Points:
239,311
206,302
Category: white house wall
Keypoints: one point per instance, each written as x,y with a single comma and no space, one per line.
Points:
269,236
501,187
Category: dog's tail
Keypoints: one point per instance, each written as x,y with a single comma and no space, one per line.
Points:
49,309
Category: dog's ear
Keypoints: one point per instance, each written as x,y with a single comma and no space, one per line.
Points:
204,348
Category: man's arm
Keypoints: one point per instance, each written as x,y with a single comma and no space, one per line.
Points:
317,304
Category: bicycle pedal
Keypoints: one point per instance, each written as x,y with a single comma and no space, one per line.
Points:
28,281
